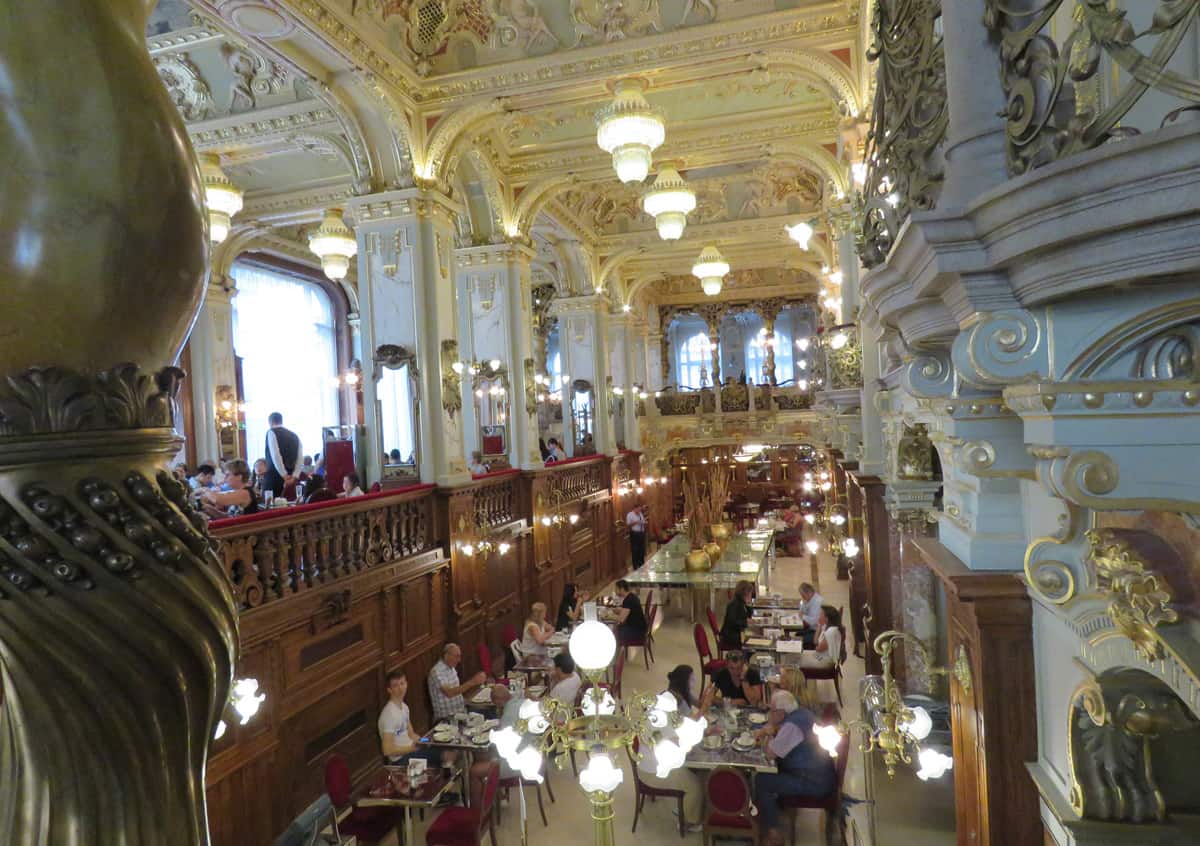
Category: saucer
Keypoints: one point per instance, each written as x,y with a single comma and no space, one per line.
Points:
756,719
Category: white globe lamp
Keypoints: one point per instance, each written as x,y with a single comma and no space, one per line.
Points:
222,198
592,645
334,244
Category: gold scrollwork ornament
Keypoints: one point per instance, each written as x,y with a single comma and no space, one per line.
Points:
1139,599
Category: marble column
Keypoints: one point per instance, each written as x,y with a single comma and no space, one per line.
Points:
212,365
975,137
406,294
625,375
847,262
497,319
583,344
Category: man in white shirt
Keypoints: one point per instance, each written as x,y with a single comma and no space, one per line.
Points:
477,467
396,732
564,681
556,452
810,608
283,456
636,521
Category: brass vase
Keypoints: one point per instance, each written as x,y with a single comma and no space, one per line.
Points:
714,551
697,561
720,533
118,631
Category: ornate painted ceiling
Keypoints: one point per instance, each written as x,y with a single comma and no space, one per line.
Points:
309,102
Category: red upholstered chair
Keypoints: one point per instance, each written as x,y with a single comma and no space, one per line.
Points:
645,791
708,665
651,616
369,825
831,803
465,826
728,813
832,673
627,642
618,671
716,630
376,488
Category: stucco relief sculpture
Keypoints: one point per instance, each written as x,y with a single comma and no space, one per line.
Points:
186,87
1114,721
602,21
520,23
113,609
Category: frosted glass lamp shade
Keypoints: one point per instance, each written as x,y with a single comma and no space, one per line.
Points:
592,645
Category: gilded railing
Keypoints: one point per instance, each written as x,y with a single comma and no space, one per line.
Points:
792,399
495,501
843,358
672,404
1060,61
908,121
735,398
280,554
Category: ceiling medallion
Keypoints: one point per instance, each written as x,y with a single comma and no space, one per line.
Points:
630,129
333,242
710,268
668,201
222,198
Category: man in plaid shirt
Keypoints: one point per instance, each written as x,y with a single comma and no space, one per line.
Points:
445,689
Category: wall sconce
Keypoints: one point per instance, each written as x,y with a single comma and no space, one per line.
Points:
246,700
483,545
899,729
558,515
452,370
227,409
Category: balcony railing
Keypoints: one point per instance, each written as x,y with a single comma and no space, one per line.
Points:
276,554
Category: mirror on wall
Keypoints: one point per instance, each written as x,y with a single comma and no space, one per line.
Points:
396,400
583,416
489,382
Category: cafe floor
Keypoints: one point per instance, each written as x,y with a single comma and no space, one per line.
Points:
910,812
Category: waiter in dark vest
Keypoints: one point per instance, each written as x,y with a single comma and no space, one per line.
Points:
283,456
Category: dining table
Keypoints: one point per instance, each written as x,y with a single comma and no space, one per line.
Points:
392,787
709,754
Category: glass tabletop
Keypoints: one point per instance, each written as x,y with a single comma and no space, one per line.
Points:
744,558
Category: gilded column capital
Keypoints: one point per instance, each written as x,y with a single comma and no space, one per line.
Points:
371,210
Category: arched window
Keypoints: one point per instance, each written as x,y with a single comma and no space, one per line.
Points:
283,330
695,359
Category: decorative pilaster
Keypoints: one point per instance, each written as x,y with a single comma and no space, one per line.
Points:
405,273
583,342
497,316
118,632
213,367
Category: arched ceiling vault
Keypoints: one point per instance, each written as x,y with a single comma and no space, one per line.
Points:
310,102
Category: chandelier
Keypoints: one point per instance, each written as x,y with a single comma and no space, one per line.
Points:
222,198
334,244
668,201
550,729
801,233
630,129
710,268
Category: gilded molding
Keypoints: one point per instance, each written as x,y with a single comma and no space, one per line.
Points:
451,378
1139,600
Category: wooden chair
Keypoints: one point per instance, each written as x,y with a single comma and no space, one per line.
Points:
832,673
641,642
458,826
830,803
617,673
369,825
651,615
517,781
645,791
728,810
708,665
714,628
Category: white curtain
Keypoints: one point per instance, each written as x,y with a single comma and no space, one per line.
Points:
283,331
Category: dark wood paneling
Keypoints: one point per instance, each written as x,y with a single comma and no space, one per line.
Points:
994,718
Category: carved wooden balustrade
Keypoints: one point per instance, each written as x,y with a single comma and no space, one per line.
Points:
496,499
277,554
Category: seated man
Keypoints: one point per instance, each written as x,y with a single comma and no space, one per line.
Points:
564,681
739,683
445,689
805,769
396,732
810,612
203,480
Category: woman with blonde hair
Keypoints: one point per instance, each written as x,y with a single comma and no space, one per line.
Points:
241,497
537,631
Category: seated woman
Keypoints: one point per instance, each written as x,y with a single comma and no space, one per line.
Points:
805,769
737,615
351,485
241,497
631,619
738,683
477,467
537,631
571,607
828,649
680,683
